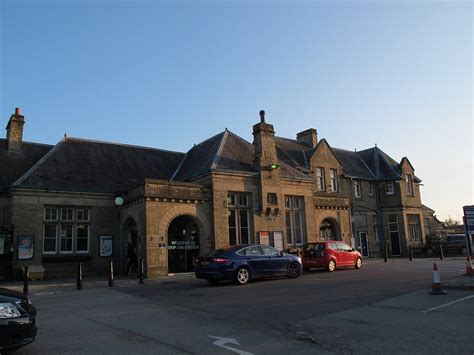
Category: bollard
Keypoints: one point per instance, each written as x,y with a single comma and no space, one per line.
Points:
111,274
410,253
441,253
79,277
140,272
25,281
385,256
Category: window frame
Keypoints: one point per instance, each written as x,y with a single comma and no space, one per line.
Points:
320,179
237,208
357,189
334,181
389,188
295,220
61,224
409,181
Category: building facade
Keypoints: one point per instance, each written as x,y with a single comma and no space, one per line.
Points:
88,201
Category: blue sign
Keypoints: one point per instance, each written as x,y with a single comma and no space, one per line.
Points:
469,218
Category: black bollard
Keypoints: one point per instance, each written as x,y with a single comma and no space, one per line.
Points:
441,253
385,256
79,277
25,281
140,272
111,274
410,253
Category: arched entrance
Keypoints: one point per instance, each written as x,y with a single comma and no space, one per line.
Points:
183,244
328,230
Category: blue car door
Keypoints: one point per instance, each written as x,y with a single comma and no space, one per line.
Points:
255,260
274,263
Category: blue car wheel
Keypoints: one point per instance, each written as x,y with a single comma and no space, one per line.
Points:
242,276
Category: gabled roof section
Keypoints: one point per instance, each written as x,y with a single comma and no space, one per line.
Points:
294,152
225,152
92,166
14,165
382,166
200,158
353,165
322,142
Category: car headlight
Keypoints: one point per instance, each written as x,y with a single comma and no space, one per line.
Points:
8,310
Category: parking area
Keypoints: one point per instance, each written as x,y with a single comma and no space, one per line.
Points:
384,307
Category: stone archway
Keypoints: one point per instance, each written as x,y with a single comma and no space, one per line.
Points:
328,230
183,237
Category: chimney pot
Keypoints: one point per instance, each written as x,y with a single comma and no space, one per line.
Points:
17,111
262,116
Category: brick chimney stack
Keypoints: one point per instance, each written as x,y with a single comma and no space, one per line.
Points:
309,137
264,142
15,131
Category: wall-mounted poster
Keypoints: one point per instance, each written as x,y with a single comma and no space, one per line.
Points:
264,238
26,247
106,245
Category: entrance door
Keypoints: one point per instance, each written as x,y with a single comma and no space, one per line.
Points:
183,244
5,256
394,235
363,245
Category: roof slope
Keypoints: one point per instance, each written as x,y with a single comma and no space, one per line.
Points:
294,150
380,163
93,166
353,165
15,165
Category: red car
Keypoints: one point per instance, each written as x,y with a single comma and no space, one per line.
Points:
329,255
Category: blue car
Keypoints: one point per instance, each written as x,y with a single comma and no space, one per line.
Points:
241,263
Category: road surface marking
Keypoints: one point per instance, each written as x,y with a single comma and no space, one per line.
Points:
221,341
448,304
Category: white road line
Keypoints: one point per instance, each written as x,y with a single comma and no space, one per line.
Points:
448,304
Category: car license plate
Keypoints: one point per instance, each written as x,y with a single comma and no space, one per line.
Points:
205,262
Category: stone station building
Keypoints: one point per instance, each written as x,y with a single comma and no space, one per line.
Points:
84,201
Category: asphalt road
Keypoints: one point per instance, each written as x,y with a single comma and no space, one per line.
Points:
382,308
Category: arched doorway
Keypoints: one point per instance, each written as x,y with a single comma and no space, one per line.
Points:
183,244
328,230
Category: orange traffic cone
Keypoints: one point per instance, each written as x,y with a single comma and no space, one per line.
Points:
436,288
469,271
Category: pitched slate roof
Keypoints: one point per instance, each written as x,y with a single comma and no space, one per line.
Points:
353,165
381,164
15,165
93,166
292,151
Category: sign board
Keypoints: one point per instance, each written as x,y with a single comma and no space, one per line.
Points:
469,218
264,238
106,246
26,247
278,240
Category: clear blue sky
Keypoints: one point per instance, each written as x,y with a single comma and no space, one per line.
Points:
169,74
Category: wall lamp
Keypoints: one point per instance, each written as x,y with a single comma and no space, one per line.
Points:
273,166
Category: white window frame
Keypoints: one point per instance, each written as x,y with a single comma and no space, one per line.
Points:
334,180
55,238
409,180
357,189
59,223
295,206
320,179
389,188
